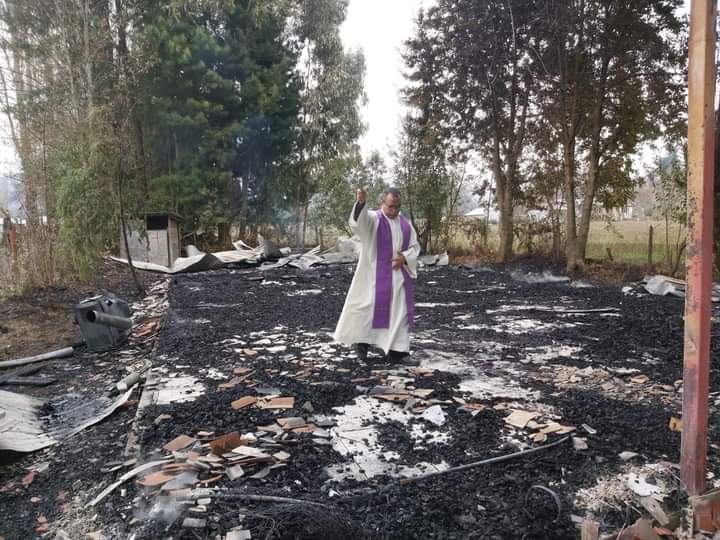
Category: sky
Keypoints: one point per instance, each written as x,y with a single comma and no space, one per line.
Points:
379,28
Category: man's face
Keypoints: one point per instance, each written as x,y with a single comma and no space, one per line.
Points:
391,205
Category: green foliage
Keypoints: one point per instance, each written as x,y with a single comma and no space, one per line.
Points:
669,183
338,184
222,102
421,172
86,165
331,205
374,176
471,76
331,81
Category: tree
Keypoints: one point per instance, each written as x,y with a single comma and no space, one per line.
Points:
375,176
174,105
57,71
338,183
611,70
477,56
222,102
331,82
420,171
669,182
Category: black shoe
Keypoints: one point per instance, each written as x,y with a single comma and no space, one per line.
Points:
401,357
361,349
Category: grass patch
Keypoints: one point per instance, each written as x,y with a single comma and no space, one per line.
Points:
628,241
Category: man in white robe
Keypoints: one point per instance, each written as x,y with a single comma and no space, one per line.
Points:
379,306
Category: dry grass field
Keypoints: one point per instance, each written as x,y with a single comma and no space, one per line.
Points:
627,241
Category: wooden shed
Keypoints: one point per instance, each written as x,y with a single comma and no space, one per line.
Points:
157,240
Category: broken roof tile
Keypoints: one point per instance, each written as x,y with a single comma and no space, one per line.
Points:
243,402
277,403
291,422
225,443
520,418
155,479
281,456
250,451
178,443
235,472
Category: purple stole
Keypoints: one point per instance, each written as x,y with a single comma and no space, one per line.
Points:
384,270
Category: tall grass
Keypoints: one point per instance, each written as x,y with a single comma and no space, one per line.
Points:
36,263
628,242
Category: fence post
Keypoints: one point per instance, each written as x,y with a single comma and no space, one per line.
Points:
12,240
650,246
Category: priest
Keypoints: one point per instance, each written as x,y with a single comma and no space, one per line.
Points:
379,305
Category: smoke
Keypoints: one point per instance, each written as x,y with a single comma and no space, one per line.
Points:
545,277
163,508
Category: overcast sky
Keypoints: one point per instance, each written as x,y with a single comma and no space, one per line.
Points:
379,27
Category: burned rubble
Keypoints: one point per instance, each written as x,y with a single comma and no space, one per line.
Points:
252,423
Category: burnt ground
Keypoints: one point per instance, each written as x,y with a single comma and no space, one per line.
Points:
494,336
41,320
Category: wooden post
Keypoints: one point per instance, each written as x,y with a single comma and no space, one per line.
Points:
650,246
700,187
12,240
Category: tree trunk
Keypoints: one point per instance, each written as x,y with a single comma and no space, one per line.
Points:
505,247
668,255
304,223
141,157
87,57
224,238
244,190
593,165
122,53
298,213
571,258
123,224
556,236
503,193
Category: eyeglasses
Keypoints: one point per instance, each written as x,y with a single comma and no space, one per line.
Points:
393,206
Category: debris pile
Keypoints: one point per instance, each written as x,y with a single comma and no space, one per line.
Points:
628,384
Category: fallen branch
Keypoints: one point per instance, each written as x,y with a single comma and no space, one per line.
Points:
490,461
61,353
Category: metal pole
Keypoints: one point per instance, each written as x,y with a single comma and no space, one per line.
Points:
98,317
701,138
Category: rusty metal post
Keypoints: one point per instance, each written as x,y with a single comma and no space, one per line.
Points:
701,137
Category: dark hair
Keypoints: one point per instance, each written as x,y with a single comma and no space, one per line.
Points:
390,191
